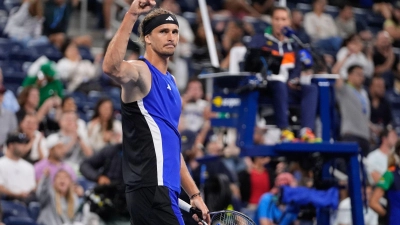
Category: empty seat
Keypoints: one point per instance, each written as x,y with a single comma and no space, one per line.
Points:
85,53
48,50
19,221
18,52
14,77
14,209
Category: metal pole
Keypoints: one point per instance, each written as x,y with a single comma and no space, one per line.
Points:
210,43
84,14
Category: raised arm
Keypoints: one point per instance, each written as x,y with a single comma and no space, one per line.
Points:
114,65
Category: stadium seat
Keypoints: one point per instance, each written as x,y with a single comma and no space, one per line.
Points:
85,183
48,50
18,52
14,209
191,17
13,87
14,77
85,53
374,20
19,221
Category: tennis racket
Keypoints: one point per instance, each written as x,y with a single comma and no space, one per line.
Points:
223,217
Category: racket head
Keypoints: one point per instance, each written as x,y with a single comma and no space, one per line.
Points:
229,217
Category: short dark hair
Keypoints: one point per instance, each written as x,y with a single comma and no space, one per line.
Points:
385,133
154,13
352,68
281,8
344,5
376,78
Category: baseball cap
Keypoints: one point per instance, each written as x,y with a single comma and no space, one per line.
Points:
17,137
2,89
187,140
48,69
53,140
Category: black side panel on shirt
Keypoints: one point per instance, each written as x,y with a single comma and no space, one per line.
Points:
139,164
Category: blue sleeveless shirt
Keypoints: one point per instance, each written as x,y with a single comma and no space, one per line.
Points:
151,141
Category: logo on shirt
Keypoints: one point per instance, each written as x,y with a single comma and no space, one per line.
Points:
169,87
169,18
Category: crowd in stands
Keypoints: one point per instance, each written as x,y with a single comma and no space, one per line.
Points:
60,129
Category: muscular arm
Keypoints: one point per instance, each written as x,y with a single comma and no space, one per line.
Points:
114,65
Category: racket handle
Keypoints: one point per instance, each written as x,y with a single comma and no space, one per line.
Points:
188,208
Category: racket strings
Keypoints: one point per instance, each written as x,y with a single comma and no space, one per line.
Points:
230,218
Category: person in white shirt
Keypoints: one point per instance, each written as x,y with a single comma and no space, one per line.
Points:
193,106
25,25
68,105
352,53
37,149
377,160
343,216
76,145
74,70
318,24
17,176
103,128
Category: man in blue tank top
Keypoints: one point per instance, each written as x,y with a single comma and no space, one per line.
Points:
153,167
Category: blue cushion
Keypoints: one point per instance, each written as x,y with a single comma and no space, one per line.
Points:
13,209
19,221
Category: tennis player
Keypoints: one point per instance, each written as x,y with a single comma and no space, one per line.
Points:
153,167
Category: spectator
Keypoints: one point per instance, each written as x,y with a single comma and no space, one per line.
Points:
8,120
388,185
255,181
297,26
48,84
321,27
10,103
377,160
381,112
201,56
194,106
345,22
17,177
68,105
263,7
354,108
25,25
240,8
57,14
392,25
385,61
383,7
57,198
269,211
76,146
28,100
105,169
37,149
350,54
343,216
55,161
393,94
103,129
76,72
287,82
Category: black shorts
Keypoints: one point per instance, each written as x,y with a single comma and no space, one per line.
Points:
154,206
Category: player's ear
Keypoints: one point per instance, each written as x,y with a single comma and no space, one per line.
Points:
147,39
